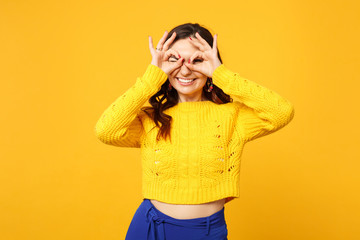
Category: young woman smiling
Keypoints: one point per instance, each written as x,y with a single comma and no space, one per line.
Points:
192,136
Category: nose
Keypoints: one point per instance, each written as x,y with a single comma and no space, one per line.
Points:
185,70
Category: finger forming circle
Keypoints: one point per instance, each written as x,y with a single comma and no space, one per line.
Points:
197,44
204,43
170,52
161,42
169,41
195,55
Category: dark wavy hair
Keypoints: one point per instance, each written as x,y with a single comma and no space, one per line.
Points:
158,102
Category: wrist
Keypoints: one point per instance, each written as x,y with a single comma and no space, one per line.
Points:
154,63
215,66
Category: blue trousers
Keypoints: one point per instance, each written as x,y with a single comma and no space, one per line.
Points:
149,223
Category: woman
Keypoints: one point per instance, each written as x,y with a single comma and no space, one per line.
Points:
191,161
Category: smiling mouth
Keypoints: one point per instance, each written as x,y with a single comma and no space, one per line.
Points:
186,80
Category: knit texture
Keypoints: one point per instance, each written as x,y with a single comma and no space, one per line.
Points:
202,162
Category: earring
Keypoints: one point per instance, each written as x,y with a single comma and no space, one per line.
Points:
209,85
170,87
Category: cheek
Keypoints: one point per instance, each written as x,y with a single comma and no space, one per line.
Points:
202,78
203,82
174,73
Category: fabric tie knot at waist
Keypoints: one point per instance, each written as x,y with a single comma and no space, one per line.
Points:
154,220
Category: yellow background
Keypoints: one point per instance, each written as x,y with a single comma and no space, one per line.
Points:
63,63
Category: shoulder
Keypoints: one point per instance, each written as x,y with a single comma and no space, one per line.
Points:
234,105
241,107
238,110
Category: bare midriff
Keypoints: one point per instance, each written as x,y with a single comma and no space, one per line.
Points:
189,211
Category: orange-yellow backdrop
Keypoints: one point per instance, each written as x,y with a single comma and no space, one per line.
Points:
62,63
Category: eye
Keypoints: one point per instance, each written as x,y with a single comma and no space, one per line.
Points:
173,59
198,60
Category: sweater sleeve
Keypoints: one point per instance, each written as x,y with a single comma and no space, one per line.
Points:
120,124
261,111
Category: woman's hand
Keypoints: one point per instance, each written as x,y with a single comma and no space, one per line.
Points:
208,54
161,55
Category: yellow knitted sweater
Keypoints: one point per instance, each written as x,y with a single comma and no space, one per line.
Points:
202,162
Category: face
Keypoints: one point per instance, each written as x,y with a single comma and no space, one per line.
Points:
187,91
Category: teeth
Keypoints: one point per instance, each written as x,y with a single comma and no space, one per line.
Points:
185,80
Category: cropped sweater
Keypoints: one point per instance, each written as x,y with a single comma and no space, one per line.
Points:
202,162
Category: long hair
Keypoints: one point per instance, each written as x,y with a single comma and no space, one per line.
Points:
158,102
